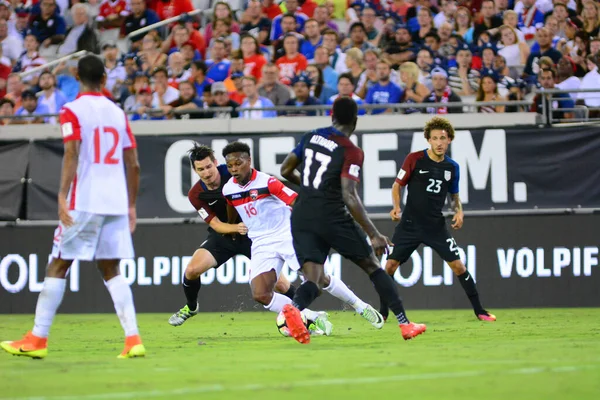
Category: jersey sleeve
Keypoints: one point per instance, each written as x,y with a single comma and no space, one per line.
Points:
407,168
353,161
69,125
454,182
300,147
282,192
129,140
203,209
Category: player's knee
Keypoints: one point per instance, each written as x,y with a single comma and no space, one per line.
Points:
58,268
262,297
457,267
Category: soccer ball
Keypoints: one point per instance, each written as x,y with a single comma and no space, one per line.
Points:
282,326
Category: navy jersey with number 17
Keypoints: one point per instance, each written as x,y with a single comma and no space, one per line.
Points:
429,183
327,156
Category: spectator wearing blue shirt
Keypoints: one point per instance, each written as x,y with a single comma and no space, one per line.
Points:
313,39
31,107
144,112
556,103
253,100
346,89
51,97
292,8
318,88
330,76
301,84
218,66
48,26
384,91
140,17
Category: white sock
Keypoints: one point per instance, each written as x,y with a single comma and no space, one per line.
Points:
277,302
123,299
338,289
50,298
310,314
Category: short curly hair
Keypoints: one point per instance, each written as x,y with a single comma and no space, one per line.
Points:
441,124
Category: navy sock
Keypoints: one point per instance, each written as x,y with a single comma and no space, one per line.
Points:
470,288
305,295
191,289
291,292
386,288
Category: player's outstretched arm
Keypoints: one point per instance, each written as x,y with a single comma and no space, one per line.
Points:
457,220
396,196
288,168
225,228
132,171
356,208
69,169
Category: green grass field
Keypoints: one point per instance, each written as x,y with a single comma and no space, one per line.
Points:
528,354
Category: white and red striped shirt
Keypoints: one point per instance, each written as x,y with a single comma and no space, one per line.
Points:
264,206
108,7
100,185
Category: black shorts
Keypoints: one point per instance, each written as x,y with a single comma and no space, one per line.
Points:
223,247
408,236
314,237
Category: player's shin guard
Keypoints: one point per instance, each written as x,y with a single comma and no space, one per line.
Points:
470,288
123,299
305,295
338,289
191,287
47,304
277,302
386,288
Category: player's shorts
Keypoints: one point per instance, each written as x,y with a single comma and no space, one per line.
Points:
93,237
223,247
272,256
408,236
314,237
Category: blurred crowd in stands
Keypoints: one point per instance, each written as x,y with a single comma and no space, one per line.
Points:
262,54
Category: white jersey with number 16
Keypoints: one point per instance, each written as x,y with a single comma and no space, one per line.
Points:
100,185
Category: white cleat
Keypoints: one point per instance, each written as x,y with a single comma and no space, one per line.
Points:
373,316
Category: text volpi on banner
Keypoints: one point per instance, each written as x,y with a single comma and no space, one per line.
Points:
517,262
500,169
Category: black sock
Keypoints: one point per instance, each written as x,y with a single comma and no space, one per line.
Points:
291,292
305,295
468,284
191,289
386,288
384,309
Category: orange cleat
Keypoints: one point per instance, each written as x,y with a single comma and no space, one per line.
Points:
30,346
133,347
295,324
412,330
486,316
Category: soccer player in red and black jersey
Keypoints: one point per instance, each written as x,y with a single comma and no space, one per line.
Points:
224,240
431,175
326,213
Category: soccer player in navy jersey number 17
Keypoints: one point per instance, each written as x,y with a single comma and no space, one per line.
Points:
431,175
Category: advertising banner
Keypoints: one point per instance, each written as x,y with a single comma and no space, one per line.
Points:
13,167
519,261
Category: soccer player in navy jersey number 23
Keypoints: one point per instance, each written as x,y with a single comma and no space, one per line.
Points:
430,175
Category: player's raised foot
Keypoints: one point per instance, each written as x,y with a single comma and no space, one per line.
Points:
133,347
373,316
183,315
30,346
412,330
295,324
323,324
486,316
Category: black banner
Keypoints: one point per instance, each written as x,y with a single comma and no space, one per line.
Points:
500,169
13,167
525,261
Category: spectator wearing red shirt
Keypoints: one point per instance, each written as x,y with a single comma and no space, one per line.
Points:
182,34
292,62
5,70
112,14
238,96
270,9
253,59
308,7
171,8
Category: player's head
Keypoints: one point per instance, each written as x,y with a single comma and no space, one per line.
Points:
237,157
439,133
90,72
204,163
345,113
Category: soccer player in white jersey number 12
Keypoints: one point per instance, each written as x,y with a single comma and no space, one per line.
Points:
96,208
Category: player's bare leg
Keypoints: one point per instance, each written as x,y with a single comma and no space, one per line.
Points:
386,288
35,343
470,287
120,292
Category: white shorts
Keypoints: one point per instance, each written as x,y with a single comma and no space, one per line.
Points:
93,237
272,257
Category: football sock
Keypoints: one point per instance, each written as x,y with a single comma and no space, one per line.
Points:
50,298
123,299
338,289
384,310
291,292
191,289
468,284
386,288
310,314
277,302
305,295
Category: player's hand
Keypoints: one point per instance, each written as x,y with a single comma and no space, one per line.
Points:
63,213
457,220
132,218
380,244
242,228
395,214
